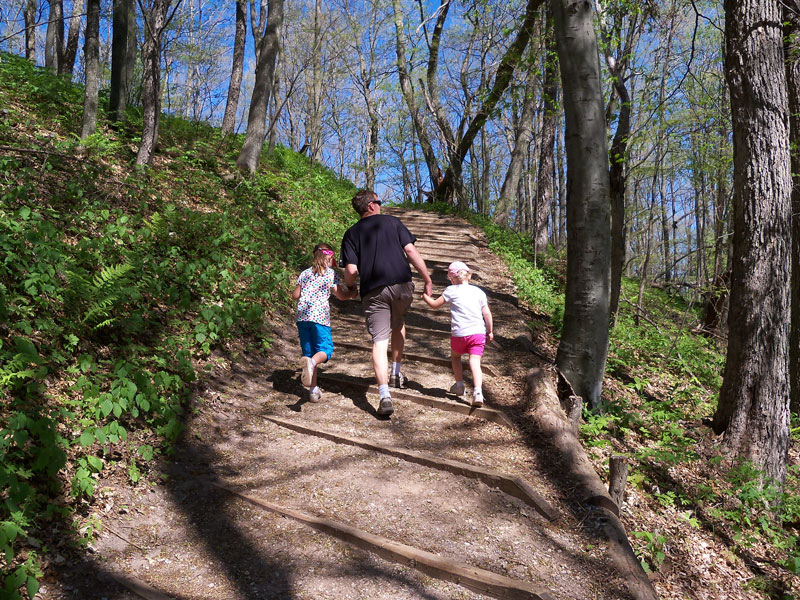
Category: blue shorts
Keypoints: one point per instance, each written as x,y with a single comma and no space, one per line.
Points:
315,338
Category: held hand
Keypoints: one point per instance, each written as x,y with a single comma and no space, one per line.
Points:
429,288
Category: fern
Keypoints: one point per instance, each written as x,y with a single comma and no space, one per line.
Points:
18,366
104,295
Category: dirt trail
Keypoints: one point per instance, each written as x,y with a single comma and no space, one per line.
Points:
433,478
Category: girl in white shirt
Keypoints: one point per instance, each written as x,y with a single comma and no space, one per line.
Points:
470,326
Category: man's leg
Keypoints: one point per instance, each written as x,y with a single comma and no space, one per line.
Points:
398,343
401,296
380,361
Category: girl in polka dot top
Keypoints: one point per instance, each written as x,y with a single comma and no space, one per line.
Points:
314,287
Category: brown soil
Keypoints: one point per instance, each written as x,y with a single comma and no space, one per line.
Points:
183,538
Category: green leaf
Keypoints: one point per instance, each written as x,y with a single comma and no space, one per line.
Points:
95,463
146,451
85,362
106,406
100,435
26,348
87,438
32,587
16,579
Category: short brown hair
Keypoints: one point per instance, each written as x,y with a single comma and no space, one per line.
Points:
362,199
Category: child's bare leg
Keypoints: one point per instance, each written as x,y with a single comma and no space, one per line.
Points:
458,371
318,358
475,367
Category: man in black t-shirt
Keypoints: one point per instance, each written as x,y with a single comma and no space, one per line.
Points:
378,248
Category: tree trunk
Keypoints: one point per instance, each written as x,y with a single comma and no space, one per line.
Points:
54,39
314,122
617,182
29,15
274,107
562,192
510,60
583,348
510,188
71,48
372,148
720,283
753,409
265,69
648,230
130,59
433,96
546,169
234,87
408,94
91,53
154,24
118,95
792,31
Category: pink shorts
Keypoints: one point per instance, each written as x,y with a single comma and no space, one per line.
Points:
470,344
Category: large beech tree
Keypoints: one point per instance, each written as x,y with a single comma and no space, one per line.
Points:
753,409
792,40
583,347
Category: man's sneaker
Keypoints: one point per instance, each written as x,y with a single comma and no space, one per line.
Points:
306,371
398,380
315,395
457,388
385,408
477,399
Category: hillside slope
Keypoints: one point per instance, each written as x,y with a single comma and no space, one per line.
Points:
144,317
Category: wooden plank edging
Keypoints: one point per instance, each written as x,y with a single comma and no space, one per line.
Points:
553,426
138,587
490,414
512,485
473,578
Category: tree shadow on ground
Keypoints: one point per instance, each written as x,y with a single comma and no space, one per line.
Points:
285,381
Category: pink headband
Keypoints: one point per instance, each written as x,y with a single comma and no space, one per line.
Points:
326,252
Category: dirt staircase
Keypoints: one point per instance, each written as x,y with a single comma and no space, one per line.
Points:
270,496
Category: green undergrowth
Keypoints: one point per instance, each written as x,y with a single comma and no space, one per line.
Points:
662,380
115,288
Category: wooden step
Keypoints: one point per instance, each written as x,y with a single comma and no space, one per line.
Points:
510,484
473,578
490,414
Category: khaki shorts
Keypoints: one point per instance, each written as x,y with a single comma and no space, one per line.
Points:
385,307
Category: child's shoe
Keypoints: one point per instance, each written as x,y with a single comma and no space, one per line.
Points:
457,388
398,380
315,394
477,398
306,371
